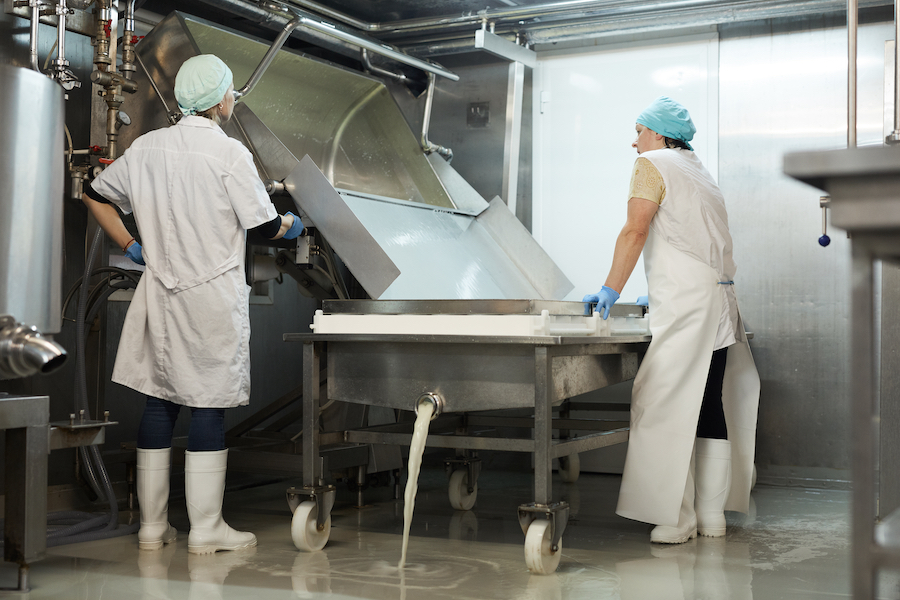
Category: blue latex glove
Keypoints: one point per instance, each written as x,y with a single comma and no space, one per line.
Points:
135,253
296,229
604,300
643,301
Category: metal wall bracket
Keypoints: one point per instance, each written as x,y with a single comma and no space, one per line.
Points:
66,434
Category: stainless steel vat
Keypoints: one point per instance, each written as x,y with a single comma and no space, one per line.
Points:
31,198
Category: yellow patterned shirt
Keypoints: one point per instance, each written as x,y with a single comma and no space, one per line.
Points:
646,182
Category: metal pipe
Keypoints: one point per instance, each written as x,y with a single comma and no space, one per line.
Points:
894,136
128,54
427,145
25,352
35,21
364,57
352,111
576,10
172,116
379,48
324,33
129,15
267,59
852,30
435,400
62,11
333,14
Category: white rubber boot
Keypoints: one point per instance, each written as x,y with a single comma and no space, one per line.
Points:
713,484
686,529
204,490
153,497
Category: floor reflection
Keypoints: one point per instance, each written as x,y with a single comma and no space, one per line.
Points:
794,544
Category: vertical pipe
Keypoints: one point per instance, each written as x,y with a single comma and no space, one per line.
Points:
426,118
864,419
128,55
514,93
894,136
896,67
852,29
61,33
35,21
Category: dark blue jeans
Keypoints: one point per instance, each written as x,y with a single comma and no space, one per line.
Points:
206,433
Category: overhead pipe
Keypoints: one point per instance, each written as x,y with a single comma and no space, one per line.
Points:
427,145
560,21
371,68
268,58
347,43
573,10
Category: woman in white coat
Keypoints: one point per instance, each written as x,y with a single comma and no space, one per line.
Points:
695,397
185,341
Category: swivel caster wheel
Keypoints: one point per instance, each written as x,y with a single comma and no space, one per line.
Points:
569,468
458,489
304,532
539,557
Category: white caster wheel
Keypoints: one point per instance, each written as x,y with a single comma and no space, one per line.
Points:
460,498
304,532
539,557
569,468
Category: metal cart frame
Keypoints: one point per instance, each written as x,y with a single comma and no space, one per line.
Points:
468,374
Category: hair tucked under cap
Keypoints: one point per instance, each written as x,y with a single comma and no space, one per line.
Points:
201,83
669,118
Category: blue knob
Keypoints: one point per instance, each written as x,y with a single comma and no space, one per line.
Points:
824,240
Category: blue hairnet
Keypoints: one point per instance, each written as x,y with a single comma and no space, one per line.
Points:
669,118
201,83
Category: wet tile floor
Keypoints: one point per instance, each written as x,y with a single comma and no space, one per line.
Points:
795,544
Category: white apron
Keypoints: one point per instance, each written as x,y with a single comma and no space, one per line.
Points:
688,308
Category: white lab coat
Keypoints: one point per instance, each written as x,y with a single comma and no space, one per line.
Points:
686,256
194,192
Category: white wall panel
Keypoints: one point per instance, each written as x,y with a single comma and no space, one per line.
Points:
585,106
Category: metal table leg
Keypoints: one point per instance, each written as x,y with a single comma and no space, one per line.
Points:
543,426
314,488
864,418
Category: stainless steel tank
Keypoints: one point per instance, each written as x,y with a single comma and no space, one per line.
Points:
31,198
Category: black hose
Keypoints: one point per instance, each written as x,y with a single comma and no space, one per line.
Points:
92,460
123,272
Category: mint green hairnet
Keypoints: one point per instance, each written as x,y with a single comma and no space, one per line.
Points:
669,118
201,83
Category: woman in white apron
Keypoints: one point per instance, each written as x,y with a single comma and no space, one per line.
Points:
186,338
695,397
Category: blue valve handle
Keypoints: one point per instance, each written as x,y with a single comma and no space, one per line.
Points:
824,240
